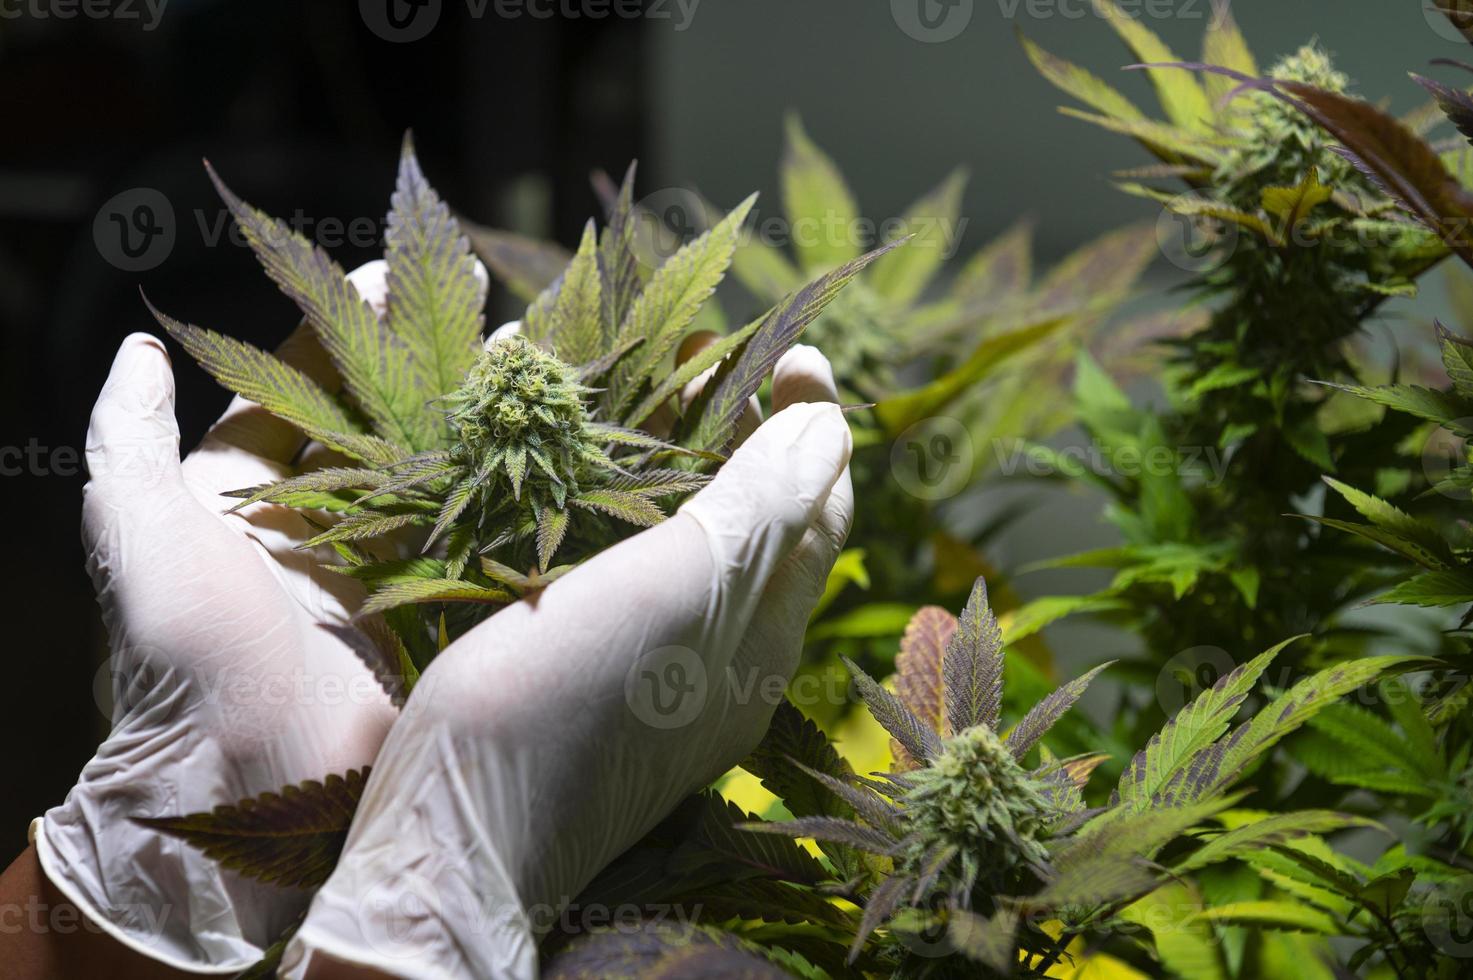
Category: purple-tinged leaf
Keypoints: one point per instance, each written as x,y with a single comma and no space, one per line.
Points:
291,838
830,829
883,902
918,679
914,735
874,809
1041,717
1191,731
722,402
1456,103
972,668
618,266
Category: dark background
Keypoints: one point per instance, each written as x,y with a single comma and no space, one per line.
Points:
301,104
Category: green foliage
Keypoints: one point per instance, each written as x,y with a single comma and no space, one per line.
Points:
1208,557
486,459
1304,189
981,848
520,451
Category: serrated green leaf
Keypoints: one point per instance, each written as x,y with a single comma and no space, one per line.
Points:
933,224
1191,731
1181,97
435,298
899,412
1441,407
1271,914
425,590
1432,590
674,382
279,388
618,265
568,316
627,506
377,368
669,302
820,208
1420,542
1293,708
1274,829
1457,358
361,527
724,399
1084,85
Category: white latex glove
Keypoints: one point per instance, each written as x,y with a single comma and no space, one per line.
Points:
550,738
228,679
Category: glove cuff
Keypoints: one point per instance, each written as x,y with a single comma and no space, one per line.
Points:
150,924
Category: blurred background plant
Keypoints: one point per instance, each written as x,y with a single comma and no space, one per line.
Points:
958,365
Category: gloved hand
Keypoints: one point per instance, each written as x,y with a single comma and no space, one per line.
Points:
231,676
551,737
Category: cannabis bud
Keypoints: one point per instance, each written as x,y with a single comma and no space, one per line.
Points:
976,797
520,413
1277,144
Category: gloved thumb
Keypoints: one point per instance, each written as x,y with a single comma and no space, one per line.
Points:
133,438
772,489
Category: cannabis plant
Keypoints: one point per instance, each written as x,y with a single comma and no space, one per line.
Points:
501,457
1310,246
976,854
952,358
489,460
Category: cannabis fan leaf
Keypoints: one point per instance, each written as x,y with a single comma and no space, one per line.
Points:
291,838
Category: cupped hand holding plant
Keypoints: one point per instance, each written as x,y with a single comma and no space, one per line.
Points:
555,734
233,673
